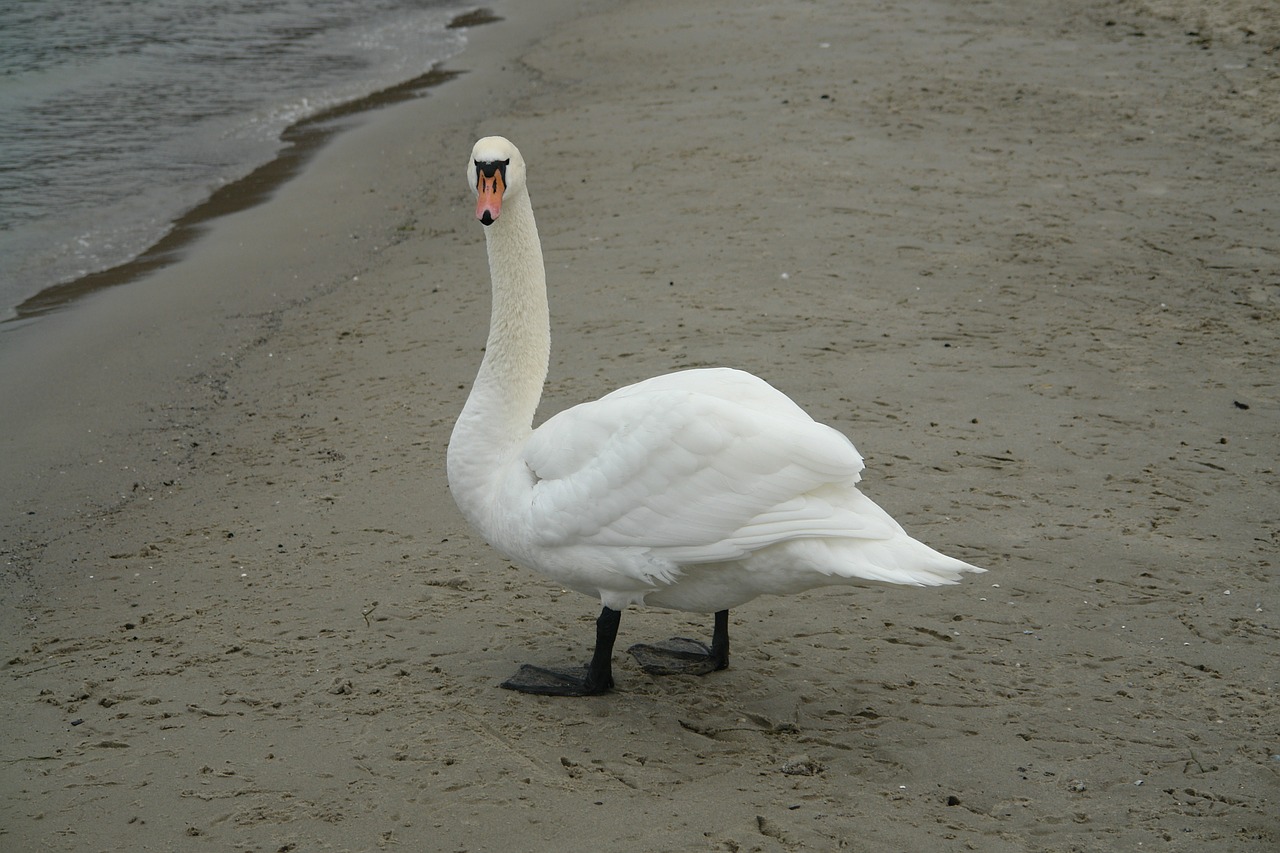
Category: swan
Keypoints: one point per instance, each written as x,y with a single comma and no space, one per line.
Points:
697,490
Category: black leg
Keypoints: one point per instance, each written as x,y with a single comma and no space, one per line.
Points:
591,680
720,640
682,656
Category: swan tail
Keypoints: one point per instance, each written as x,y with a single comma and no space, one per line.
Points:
880,551
900,560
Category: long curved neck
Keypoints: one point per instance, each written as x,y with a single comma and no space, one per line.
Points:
498,416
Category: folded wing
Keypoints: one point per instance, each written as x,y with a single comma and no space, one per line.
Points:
699,466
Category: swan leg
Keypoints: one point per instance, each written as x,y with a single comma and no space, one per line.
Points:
593,679
682,656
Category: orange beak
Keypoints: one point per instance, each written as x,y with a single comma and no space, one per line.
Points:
489,191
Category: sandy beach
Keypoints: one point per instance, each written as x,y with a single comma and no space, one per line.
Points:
1027,256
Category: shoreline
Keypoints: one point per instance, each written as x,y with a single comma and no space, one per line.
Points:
299,142
1024,257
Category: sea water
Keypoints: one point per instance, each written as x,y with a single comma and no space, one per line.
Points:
116,117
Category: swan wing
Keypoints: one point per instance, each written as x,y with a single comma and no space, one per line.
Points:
699,466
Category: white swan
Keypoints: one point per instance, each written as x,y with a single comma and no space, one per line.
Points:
697,490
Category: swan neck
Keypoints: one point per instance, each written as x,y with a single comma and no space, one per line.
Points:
498,416
519,346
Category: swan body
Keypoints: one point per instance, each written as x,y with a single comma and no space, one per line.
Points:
697,490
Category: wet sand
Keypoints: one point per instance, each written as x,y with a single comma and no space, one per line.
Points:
1027,258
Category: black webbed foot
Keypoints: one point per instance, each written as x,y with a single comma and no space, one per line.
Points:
590,680
557,681
677,656
682,656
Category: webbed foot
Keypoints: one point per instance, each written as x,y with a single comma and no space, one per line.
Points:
590,680
557,681
682,656
677,656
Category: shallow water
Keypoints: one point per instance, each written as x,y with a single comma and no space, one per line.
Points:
116,118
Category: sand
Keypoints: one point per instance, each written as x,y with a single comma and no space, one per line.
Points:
1026,255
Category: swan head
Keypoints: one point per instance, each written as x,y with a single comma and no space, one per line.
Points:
496,170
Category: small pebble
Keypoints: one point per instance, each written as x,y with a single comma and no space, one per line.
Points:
802,766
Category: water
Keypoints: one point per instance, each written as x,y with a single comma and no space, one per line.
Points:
118,116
